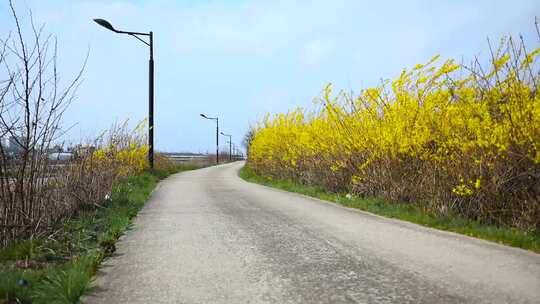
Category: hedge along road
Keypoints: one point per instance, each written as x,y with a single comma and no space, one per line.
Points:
206,236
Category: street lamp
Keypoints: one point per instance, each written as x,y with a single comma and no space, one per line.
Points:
230,145
234,151
109,26
217,134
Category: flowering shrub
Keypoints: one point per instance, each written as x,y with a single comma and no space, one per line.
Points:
124,149
453,138
37,191
61,189
117,154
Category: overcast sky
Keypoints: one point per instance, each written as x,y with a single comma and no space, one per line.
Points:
242,59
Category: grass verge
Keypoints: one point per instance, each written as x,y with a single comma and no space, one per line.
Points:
407,212
59,268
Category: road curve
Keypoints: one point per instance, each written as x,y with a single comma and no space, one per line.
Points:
206,236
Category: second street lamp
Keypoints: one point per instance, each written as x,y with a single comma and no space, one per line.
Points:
235,151
217,134
109,26
230,145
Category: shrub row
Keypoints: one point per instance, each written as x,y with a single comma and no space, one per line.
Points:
448,137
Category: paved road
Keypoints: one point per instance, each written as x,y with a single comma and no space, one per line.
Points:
207,236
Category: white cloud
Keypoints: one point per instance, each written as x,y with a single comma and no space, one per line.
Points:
255,27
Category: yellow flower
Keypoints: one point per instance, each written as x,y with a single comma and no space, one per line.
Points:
477,183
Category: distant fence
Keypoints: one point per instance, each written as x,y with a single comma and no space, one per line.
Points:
184,158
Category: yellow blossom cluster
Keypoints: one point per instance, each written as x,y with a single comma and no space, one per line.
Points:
129,160
465,139
124,152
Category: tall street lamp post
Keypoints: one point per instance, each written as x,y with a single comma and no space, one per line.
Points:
236,151
108,26
217,134
230,144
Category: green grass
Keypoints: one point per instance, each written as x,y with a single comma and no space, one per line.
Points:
59,268
407,212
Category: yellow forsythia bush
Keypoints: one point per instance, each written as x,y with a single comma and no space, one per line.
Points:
125,161
123,153
455,139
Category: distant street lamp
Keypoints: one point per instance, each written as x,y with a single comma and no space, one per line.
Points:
230,144
108,26
217,135
236,151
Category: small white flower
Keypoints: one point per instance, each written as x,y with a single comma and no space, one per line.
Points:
348,196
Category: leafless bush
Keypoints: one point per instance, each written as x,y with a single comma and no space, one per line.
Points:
35,192
31,107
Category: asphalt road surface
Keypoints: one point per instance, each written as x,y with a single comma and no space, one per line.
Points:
206,236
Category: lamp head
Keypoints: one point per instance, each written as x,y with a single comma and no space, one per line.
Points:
106,24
